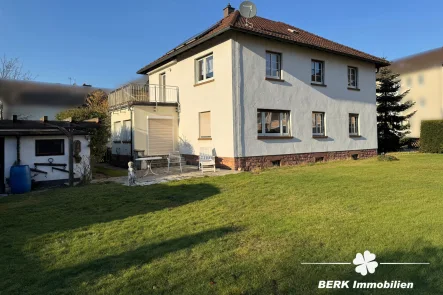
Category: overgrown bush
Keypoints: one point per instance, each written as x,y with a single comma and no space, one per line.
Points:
387,158
431,136
96,106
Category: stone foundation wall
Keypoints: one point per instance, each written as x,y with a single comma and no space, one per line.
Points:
249,163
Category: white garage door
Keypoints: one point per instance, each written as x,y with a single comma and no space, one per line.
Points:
160,136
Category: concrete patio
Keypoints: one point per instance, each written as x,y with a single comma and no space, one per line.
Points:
162,175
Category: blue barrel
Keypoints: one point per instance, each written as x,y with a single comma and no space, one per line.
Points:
20,179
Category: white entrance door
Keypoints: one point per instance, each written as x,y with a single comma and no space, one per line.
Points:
160,136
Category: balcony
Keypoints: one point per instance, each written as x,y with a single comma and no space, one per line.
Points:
143,94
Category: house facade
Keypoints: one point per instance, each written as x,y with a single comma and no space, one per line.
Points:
422,75
265,93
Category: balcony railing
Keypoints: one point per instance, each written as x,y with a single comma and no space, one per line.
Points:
144,93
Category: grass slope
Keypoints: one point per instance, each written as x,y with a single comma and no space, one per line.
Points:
236,234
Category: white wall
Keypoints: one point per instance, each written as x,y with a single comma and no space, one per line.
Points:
251,92
34,112
28,157
215,97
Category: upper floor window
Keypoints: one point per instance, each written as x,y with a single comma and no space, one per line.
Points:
318,124
421,79
317,72
273,122
205,68
409,82
353,124
352,77
273,65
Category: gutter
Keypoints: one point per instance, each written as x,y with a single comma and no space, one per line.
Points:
149,68
380,64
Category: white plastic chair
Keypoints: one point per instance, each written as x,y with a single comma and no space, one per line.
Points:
206,160
175,158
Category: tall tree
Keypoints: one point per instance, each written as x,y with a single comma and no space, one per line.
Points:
392,117
12,68
95,106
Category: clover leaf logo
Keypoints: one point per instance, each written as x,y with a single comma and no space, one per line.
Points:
365,263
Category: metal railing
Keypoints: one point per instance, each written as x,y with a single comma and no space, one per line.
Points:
131,93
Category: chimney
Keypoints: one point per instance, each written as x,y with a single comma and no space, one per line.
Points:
228,10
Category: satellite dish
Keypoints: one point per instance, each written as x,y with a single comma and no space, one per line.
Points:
248,10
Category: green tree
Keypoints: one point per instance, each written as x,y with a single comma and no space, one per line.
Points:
392,121
95,106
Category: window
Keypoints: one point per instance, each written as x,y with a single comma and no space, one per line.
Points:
126,131
205,124
409,82
317,72
353,124
162,88
273,65
117,131
352,77
318,124
205,68
49,147
272,123
421,79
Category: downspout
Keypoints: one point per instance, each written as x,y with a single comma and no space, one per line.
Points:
131,110
17,162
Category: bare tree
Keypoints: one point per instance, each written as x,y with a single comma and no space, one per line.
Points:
12,68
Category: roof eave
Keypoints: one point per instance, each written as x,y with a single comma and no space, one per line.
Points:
149,68
377,63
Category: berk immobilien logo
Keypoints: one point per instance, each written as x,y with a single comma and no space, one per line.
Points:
365,263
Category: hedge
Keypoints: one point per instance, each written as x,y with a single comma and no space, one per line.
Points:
431,136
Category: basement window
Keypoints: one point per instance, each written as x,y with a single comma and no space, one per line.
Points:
49,147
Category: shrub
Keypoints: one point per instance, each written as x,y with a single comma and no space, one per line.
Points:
388,158
431,138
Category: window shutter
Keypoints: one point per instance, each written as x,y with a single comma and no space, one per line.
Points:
205,124
160,136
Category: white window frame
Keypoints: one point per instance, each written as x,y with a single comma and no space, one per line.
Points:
278,65
355,69
204,59
313,71
354,130
263,122
323,126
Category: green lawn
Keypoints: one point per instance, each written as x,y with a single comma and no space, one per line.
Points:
237,234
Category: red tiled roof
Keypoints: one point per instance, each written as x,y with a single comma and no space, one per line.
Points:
269,29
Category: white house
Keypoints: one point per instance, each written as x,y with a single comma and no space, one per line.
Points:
260,93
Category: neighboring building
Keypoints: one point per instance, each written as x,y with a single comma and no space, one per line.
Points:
33,100
423,75
260,93
44,148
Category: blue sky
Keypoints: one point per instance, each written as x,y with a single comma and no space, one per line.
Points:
104,43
